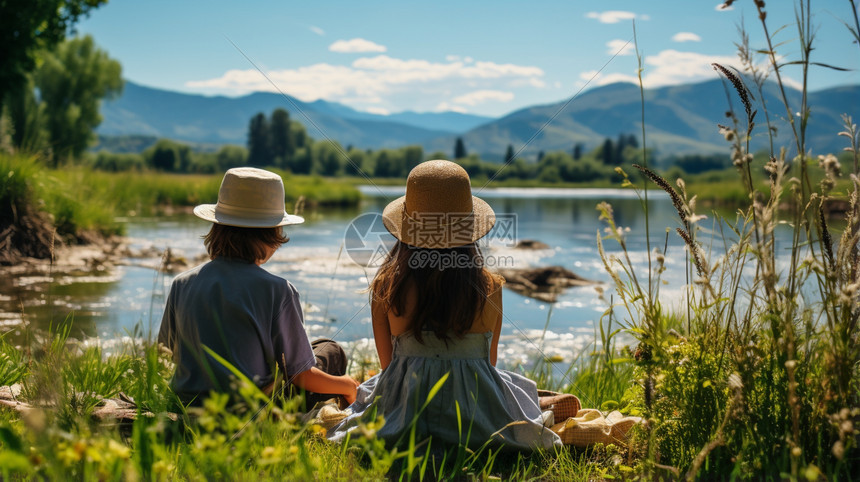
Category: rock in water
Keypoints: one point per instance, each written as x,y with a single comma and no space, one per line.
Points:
543,283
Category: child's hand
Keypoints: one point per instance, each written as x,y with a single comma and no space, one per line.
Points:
350,397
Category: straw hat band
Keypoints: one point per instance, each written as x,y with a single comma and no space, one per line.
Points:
256,213
429,218
442,196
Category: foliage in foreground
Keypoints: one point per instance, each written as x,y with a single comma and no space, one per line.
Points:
754,374
222,439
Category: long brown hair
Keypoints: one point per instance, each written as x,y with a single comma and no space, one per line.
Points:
450,285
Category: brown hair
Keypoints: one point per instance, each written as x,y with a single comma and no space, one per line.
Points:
450,285
250,244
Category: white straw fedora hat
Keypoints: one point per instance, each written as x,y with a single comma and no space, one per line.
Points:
249,198
438,210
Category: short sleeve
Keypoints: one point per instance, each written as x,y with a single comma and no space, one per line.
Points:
167,331
292,349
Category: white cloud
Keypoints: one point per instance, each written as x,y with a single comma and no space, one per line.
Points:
613,16
446,107
620,47
686,37
722,8
317,30
481,96
670,67
356,45
384,82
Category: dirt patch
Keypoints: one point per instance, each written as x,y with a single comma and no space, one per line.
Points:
98,255
25,233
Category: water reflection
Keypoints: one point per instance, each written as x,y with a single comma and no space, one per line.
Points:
333,288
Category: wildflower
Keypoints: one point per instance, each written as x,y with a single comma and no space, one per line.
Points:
68,455
830,164
727,132
162,468
118,450
838,449
735,381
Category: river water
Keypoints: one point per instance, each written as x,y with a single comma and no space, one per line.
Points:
111,304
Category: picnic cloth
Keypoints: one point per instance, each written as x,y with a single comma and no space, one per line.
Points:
590,426
562,405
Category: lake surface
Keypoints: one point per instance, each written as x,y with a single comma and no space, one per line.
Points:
333,287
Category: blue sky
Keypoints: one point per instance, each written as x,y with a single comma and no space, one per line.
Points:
480,57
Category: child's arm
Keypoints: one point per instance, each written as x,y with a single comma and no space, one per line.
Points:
381,333
316,380
495,304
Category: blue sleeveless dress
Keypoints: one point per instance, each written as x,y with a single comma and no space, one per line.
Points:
492,404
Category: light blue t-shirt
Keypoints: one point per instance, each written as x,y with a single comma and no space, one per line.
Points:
245,314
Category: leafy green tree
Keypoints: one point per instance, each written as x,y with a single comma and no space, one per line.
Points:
28,27
519,169
27,118
577,151
281,139
167,155
460,149
583,170
259,141
607,152
549,173
509,154
327,155
118,161
412,156
299,135
302,161
384,165
71,82
472,165
356,164
231,156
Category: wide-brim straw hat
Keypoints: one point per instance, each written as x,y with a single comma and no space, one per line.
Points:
438,210
249,198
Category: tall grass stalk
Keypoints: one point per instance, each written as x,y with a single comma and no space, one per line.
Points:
764,378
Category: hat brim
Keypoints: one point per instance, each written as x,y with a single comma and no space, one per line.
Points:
208,212
482,220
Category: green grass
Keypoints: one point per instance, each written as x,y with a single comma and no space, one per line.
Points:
219,441
84,203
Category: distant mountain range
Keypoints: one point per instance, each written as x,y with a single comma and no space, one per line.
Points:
678,120
224,120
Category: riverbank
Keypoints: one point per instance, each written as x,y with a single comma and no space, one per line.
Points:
51,208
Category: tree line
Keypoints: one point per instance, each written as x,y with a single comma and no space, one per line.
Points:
277,141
